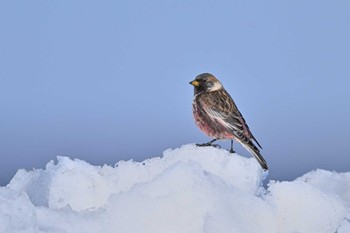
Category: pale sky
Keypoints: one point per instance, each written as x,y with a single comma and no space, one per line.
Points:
108,80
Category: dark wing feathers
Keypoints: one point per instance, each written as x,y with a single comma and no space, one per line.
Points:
247,143
224,109
248,130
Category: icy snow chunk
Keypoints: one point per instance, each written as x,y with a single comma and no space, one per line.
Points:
330,182
72,183
77,184
303,208
17,214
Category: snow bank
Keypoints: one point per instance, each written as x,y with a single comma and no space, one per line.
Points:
189,189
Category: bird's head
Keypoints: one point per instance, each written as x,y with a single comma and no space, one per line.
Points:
206,83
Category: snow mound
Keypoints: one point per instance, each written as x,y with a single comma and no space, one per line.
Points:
188,189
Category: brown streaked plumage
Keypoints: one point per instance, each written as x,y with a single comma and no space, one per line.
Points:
217,115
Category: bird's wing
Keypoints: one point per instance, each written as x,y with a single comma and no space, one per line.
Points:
246,128
230,121
226,112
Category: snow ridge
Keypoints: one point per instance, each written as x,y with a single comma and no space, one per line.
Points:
188,189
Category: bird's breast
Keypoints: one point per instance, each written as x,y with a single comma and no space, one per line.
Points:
208,125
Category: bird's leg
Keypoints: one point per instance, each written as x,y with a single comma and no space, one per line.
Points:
231,150
209,144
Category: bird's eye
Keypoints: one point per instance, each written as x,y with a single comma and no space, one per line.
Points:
204,81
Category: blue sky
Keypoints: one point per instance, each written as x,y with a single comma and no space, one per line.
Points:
108,80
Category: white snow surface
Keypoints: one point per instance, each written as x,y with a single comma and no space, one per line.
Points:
187,190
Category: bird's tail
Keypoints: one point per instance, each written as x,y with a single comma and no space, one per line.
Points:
255,151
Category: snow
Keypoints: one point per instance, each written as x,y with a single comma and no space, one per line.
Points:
187,190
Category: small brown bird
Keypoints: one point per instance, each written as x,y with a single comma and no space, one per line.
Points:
217,115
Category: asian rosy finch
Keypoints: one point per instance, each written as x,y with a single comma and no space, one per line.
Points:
217,115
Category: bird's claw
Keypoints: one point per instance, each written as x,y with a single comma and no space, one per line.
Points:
232,151
215,145
202,144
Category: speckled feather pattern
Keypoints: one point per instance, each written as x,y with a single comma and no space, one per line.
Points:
220,102
210,125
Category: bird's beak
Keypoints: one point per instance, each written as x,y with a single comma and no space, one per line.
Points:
194,83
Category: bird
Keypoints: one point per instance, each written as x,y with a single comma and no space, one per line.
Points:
216,115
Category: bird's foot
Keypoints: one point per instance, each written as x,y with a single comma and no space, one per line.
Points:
215,145
232,151
208,144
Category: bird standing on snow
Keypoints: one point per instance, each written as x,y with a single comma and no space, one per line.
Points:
217,115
